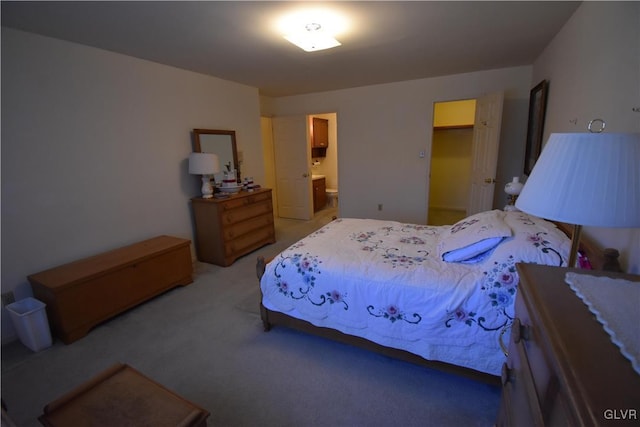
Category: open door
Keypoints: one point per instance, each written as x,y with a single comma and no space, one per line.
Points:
292,152
484,156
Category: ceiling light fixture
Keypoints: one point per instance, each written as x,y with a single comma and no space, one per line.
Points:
312,30
312,38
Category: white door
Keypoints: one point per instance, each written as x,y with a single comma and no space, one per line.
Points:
292,152
484,154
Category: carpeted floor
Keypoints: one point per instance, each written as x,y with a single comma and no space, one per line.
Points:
205,342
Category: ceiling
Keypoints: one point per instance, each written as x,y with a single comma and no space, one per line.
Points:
238,40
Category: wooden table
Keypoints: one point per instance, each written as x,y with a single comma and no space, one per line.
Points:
123,397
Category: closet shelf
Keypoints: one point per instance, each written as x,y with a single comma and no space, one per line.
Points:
453,127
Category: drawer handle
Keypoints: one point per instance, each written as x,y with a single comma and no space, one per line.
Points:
519,332
505,374
503,347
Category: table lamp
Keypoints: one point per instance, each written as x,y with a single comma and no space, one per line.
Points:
513,189
205,164
586,179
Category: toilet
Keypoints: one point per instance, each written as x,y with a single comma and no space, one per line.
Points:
332,197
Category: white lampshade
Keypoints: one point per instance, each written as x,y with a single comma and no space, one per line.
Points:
588,179
203,164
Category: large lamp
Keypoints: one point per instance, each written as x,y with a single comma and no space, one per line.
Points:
586,179
205,164
513,189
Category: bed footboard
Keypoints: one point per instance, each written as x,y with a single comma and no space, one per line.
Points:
274,318
261,264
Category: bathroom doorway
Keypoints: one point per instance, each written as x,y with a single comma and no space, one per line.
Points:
324,166
292,184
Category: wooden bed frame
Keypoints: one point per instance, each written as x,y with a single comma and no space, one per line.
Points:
597,257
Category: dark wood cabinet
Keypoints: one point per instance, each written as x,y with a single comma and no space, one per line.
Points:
562,368
320,133
319,194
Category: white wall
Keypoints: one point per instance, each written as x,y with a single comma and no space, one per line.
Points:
383,128
593,68
94,149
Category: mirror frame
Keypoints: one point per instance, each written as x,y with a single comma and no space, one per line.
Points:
197,147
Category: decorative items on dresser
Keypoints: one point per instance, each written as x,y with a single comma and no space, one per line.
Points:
231,227
81,294
563,368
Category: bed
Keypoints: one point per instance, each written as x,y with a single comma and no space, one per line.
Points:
439,294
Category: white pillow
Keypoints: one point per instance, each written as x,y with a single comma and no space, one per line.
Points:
473,253
473,236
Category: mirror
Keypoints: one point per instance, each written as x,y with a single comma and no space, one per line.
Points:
220,142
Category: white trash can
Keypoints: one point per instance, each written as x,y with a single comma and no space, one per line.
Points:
30,320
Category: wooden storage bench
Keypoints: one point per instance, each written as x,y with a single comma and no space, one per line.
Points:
81,294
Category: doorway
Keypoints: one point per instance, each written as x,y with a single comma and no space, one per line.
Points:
290,167
324,166
451,159
478,171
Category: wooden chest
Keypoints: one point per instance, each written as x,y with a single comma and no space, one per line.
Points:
81,294
227,229
562,368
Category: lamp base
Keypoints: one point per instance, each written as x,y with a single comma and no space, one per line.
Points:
575,244
207,189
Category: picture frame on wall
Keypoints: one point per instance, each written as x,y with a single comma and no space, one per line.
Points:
535,126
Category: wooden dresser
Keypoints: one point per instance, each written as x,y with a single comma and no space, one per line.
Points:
562,367
227,229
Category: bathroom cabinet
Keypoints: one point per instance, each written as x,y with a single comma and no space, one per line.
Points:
320,133
319,194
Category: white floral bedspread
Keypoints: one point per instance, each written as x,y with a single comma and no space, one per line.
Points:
385,281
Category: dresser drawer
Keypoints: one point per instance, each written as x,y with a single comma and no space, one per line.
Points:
535,349
236,230
248,240
519,406
237,215
245,201
529,336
